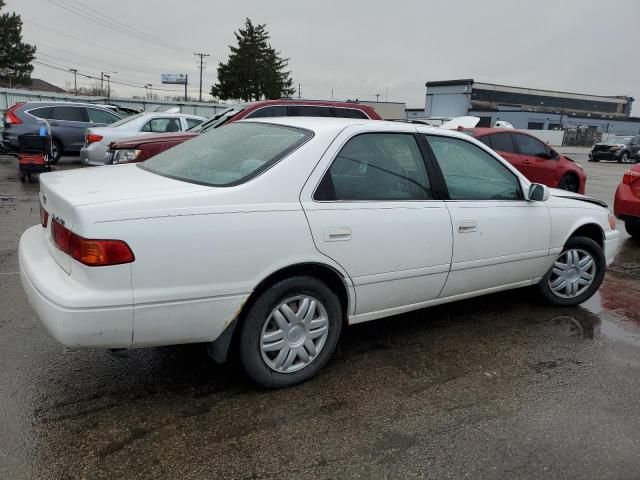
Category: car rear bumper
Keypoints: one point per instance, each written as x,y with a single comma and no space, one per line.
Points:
52,293
49,289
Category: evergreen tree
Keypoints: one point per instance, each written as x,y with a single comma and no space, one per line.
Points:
254,69
15,56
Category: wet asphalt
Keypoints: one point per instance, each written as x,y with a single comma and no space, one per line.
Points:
496,387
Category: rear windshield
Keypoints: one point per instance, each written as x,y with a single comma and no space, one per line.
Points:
229,155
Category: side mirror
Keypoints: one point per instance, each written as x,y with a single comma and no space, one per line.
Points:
538,193
545,156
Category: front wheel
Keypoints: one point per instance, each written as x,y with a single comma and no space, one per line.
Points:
576,275
570,183
290,332
624,158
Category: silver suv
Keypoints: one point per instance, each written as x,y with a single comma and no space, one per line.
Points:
68,121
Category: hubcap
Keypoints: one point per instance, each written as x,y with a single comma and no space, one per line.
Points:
572,273
294,334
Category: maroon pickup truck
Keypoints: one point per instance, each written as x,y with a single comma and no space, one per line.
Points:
142,147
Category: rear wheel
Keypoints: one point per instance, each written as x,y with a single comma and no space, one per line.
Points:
576,275
569,182
290,332
56,151
633,228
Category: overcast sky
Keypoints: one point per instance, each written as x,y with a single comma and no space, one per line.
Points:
357,48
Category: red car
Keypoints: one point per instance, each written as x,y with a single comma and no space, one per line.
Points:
139,148
627,202
537,161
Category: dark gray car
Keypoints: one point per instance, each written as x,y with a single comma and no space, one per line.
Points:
68,123
621,148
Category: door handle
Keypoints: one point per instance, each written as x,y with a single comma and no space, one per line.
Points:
339,234
468,226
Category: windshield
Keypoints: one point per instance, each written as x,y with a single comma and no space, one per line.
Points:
125,120
618,141
215,121
228,156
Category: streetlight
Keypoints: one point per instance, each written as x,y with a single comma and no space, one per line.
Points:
75,80
102,75
108,77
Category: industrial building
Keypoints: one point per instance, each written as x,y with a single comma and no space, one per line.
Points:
527,108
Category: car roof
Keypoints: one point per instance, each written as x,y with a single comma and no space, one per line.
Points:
69,104
322,124
167,114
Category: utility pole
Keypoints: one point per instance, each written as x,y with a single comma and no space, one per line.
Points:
75,80
186,82
108,86
201,55
104,75
299,95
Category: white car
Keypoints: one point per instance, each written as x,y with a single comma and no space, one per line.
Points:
275,233
97,139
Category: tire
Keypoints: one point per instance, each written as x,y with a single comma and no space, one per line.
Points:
570,183
633,228
56,147
266,363
596,160
624,158
23,177
561,295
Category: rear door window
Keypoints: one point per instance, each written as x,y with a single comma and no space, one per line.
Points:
97,115
503,142
377,166
70,114
42,112
162,125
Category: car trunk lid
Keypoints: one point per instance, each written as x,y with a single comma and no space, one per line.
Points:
61,193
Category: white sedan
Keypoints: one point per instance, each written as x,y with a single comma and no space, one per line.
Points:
97,139
270,236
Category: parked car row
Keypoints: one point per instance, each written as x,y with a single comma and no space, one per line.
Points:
308,225
138,149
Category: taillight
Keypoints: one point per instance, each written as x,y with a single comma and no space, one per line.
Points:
630,176
93,253
10,117
92,138
44,217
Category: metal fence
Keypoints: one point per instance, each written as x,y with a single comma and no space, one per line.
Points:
10,96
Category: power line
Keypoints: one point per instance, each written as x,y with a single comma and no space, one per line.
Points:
85,12
201,55
83,40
